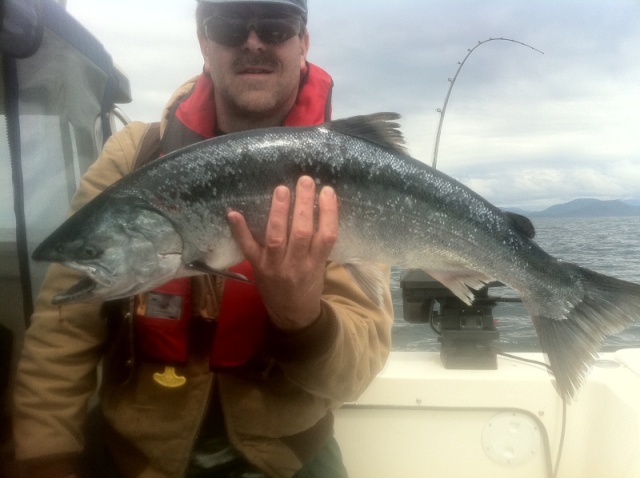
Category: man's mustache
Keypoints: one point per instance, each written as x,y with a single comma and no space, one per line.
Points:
252,60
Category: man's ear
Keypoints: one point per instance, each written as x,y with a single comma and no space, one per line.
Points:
205,47
304,49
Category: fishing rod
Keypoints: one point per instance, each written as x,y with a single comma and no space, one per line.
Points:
452,81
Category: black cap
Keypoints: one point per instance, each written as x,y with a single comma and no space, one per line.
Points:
300,5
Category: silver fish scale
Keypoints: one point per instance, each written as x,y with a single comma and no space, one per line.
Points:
381,193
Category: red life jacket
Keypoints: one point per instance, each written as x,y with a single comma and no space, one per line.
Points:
163,315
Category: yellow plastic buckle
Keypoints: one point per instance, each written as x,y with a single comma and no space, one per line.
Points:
169,378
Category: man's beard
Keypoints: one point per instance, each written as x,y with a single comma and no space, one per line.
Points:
262,100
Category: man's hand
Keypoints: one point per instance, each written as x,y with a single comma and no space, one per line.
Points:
289,267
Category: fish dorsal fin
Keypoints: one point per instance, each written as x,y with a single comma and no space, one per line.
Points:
377,128
522,223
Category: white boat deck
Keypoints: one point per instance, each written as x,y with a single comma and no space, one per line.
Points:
418,419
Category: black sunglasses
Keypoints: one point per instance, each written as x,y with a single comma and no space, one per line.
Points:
234,31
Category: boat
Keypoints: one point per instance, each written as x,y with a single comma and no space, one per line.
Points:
418,419
468,410
462,411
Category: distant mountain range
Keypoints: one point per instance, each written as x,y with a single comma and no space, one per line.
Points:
587,207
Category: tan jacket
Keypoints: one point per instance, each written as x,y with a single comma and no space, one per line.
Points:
274,412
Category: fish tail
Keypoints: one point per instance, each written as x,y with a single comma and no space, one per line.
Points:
572,326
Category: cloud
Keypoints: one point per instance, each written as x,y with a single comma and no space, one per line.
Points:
538,186
559,125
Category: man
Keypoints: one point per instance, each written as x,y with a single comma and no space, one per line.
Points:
237,380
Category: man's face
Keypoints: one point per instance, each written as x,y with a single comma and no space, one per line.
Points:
255,79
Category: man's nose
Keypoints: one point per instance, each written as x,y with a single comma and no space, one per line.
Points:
253,41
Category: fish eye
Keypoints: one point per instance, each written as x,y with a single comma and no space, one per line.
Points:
89,252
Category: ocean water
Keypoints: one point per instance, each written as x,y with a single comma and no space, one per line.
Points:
607,245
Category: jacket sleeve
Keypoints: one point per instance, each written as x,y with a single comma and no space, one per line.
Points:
339,355
57,371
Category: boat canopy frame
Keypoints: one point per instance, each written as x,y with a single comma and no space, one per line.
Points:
59,89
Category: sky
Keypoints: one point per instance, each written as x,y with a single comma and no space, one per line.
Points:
522,128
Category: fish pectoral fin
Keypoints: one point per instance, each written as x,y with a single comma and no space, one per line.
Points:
369,278
461,283
202,266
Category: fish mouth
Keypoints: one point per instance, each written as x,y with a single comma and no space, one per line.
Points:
100,273
80,291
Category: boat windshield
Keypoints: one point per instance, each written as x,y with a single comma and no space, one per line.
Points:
57,98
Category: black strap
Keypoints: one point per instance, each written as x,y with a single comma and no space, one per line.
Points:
13,133
149,146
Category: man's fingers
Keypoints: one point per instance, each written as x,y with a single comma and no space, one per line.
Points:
304,239
302,223
327,234
278,222
242,234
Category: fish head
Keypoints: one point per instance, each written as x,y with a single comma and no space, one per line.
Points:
123,247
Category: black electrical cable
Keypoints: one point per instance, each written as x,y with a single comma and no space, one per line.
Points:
564,408
562,434
431,324
554,470
522,359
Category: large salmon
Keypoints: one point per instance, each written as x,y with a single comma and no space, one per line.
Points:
169,217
